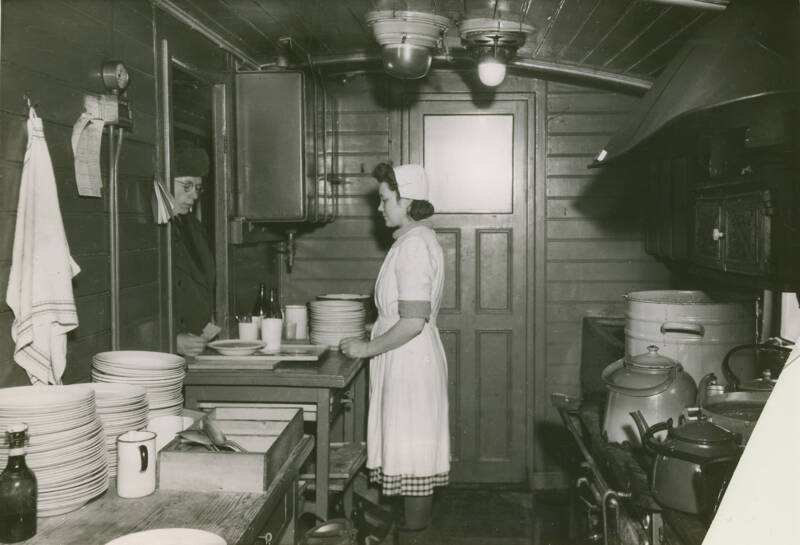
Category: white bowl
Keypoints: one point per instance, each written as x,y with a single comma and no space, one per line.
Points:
235,347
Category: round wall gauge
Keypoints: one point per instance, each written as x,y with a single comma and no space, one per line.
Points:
115,75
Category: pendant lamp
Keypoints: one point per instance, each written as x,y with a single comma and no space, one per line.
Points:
408,39
492,42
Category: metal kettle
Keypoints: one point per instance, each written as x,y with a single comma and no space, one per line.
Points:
651,383
692,465
768,361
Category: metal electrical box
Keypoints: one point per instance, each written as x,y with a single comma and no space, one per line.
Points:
270,147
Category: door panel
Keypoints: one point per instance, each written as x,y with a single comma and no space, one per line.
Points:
450,240
494,271
478,174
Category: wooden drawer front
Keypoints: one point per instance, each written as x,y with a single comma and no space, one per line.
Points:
276,525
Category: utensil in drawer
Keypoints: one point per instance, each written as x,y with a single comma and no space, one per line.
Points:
199,438
216,435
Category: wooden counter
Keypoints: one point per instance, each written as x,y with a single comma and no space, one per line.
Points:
238,517
290,382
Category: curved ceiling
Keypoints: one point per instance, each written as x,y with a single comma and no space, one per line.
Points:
624,41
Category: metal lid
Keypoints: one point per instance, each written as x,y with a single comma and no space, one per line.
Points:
703,438
643,375
652,360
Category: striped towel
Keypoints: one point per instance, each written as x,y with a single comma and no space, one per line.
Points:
40,282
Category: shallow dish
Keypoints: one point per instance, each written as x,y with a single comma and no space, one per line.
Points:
234,347
169,536
344,297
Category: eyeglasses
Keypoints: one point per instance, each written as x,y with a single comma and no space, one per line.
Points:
187,187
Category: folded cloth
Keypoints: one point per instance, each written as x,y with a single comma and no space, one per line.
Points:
40,282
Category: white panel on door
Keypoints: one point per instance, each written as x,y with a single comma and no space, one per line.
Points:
469,160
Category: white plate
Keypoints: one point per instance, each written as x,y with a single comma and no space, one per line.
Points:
169,536
141,359
345,296
235,347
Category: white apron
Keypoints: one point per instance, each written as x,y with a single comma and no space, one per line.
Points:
408,430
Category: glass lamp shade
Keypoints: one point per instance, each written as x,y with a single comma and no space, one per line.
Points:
491,71
406,61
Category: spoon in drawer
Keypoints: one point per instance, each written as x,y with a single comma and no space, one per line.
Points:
218,436
199,438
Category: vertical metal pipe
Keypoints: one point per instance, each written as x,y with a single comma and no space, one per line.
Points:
166,135
113,243
326,216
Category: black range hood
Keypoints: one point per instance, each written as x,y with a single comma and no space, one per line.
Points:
747,52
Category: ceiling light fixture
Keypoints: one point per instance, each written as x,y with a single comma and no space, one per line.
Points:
408,39
493,42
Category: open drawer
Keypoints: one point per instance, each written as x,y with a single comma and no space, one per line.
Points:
268,436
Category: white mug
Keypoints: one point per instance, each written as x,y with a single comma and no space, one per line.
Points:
136,464
296,321
271,329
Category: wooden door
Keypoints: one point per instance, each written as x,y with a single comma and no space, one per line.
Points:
476,158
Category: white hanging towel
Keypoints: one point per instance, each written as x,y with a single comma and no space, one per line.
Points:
40,283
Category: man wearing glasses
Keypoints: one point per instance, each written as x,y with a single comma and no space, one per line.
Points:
193,256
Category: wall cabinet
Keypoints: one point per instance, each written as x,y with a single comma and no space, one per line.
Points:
733,234
728,203
282,150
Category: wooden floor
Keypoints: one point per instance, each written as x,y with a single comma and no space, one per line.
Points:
490,515
495,516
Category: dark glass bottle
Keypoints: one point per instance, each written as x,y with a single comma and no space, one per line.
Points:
273,306
261,306
17,490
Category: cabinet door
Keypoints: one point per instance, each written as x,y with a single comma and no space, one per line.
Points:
707,239
270,120
746,234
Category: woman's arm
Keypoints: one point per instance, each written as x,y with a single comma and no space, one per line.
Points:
399,334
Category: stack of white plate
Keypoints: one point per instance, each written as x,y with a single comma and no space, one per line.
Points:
333,320
121,408
66,448
161,374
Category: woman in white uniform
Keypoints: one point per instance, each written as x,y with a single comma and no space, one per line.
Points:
408,441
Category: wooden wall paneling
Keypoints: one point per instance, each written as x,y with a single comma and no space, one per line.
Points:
93,278
79,356
344,257
54,50
139,324
594,242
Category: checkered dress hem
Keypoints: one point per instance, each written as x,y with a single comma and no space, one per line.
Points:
408,485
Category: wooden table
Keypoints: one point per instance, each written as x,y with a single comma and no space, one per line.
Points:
238,517
288,382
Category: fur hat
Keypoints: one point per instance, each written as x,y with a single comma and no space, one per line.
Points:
190,160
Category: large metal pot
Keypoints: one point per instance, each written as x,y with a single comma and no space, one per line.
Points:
763,366
694,327
651,383
737,412
692,466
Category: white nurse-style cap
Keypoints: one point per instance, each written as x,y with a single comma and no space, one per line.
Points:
412,182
